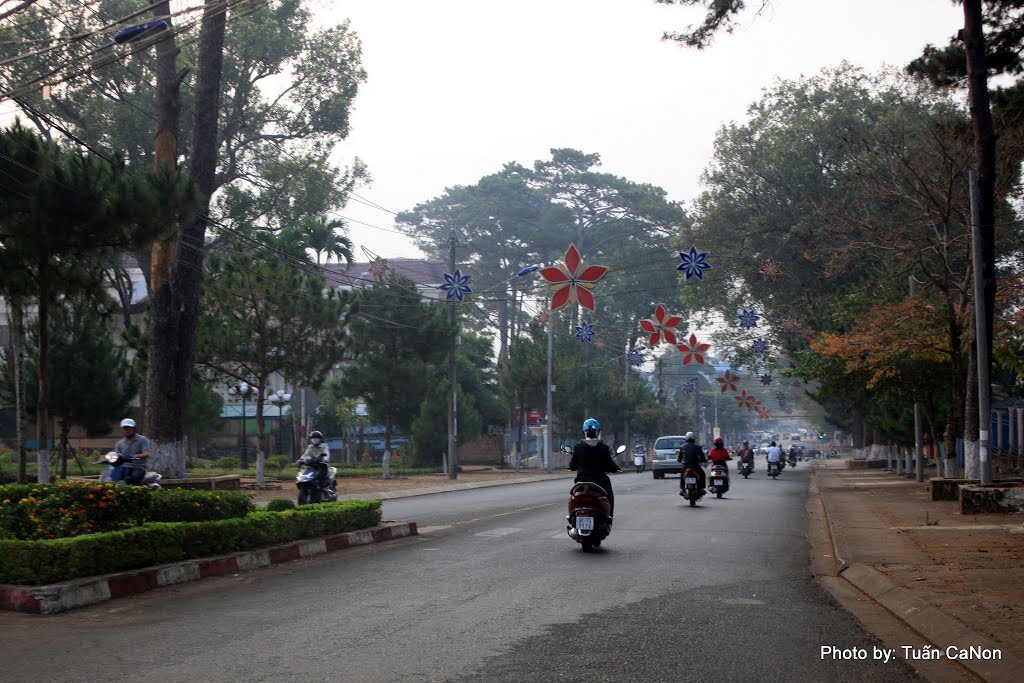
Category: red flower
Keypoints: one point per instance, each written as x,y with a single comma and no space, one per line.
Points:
663,325
573,280
694,351
728,381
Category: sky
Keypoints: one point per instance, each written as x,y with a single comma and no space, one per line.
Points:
458,88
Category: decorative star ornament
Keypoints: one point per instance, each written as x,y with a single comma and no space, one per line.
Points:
727,381
662,326
636,358
456,285
771,269
744,400
573,280
766,379
748,318
585,332
781,397
693,351
379,267
708,403
760,347
543,317
690,387
694,263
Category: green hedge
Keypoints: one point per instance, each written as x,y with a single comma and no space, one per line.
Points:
37,562
47,511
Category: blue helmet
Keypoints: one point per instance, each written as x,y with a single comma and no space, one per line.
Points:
591,425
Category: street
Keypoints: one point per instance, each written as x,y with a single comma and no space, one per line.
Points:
493,590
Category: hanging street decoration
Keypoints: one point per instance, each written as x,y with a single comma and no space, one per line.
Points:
457,285
708,403
760,347
748,318
690,387
727,381
543,317
585,332
764,413
573,280
694,263
600,343
693,351
781,397
744,400
378,267
771,269
661,326
636,358
766,379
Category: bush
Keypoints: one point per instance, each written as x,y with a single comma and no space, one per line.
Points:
46,511
228,463
279,504
278,463
38,562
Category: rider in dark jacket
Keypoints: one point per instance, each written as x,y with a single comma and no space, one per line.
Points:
592,460
692,455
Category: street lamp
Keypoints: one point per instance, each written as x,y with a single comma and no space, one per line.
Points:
242,391
279,398
549,418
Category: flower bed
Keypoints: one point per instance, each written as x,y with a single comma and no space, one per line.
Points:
39,562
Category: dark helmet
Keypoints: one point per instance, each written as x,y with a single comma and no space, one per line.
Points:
745,442
772,443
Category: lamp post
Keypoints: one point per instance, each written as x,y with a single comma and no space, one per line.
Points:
242,391
548,408
279,398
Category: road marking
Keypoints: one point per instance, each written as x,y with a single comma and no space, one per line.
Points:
430,529
1012,528
743,601
499,532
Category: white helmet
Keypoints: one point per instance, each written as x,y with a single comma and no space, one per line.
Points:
690,436
128,422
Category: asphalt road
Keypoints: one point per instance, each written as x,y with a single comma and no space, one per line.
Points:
492,590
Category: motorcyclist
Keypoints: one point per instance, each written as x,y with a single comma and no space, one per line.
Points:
774,455
791,455
746,454
692,455
134,447
639,456
719,454
316,452
592,460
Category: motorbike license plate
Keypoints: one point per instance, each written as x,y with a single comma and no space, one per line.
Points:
718,482
691,480
585,523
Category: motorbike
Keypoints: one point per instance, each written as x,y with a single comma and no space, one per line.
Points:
317,481
719,479
746,468
588,521
691,491
122,469
773,469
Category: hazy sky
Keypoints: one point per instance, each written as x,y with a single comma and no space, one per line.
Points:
457,88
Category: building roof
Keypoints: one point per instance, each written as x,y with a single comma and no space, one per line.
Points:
422,272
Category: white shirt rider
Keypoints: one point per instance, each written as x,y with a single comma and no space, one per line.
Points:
774,454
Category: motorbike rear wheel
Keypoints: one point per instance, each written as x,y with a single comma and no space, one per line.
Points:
718,493
587,544
693,502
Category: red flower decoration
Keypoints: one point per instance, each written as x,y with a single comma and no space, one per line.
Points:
573,280
693,351
379,267
771,269
745,400
663,325
728,381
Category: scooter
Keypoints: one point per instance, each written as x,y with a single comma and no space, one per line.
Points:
691,491
791,461
746,468
122,469
314,487
588,521
719,477
773,469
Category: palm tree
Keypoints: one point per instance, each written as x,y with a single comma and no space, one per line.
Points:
321,236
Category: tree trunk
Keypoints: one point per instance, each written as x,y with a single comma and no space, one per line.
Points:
64,447
972,462
17,353
43,382
502,331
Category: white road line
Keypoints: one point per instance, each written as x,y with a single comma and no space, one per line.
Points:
499,532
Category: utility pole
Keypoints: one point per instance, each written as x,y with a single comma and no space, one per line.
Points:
918,450
453,421
548,408
981,335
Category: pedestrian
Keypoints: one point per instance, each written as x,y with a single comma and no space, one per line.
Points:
638,458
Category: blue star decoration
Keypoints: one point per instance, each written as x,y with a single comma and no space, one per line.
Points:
585,332
708,403
690,386
766,379
781,397
748,318
760,347
636,358
694,263
456,285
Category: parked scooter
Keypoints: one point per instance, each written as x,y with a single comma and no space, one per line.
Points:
317,481
719,479
122,469
588,521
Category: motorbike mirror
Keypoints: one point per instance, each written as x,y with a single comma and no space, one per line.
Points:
110,457
566,449
620,449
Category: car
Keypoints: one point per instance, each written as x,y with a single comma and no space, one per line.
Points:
666,450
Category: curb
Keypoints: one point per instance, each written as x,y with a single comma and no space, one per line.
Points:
60,597
938,628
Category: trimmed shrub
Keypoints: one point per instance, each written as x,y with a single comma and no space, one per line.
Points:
35,562
228,463
279,504
191,505
278,463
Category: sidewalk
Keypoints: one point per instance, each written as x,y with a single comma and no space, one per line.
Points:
955,579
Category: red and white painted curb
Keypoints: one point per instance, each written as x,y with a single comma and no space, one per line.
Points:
60,597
